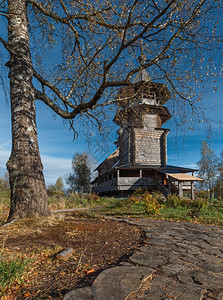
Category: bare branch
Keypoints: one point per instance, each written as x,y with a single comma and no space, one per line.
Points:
173,85
53,88
68,18
96,119
80,108
43,97
90,51
155,5
140,35
6,45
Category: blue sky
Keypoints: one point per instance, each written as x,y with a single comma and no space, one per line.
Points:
57,146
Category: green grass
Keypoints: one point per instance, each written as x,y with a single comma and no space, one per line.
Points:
74,200
11,271
212,215
200,211
176,213
174,208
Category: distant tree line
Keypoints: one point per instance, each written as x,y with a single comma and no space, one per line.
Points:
211,171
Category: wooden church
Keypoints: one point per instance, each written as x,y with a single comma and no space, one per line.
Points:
140,159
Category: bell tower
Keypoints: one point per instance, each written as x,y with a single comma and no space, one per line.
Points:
142,140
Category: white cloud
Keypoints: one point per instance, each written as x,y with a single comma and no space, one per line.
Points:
5,149
193,166
55,167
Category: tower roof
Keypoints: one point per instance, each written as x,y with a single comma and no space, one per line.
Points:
147,88
143,90
142,75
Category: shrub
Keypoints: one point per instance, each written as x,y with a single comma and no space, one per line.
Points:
94,198
149,201
152,206
174,200
202,194
74,200
159,197
201,203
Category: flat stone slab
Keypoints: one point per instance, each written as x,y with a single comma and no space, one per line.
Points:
172,269
118,282
158,250
211,266
180,291
199,277
79,294
147,260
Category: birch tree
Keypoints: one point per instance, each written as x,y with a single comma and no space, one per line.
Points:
73,55
80,179
208,168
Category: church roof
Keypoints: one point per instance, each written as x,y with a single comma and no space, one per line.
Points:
109,163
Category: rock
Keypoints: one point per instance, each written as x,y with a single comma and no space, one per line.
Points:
126,264
178,261
118,282
65,254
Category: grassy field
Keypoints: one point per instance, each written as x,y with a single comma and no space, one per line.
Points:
138,205
176,209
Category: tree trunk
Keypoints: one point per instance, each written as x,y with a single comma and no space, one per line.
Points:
28,189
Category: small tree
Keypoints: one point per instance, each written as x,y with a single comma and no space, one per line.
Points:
80,179
219,181
57,188
4,182
208,168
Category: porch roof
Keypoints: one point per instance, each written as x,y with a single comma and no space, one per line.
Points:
183,177
160,168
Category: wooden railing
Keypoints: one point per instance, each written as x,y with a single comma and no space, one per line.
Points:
109,185
174,189
165,191
124,183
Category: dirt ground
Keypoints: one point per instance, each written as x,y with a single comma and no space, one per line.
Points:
98,244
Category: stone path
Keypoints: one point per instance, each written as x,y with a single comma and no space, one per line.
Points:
177,261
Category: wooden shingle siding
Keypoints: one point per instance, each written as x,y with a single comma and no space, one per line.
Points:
148,147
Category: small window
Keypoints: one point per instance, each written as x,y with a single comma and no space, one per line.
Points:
129,173
147,173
